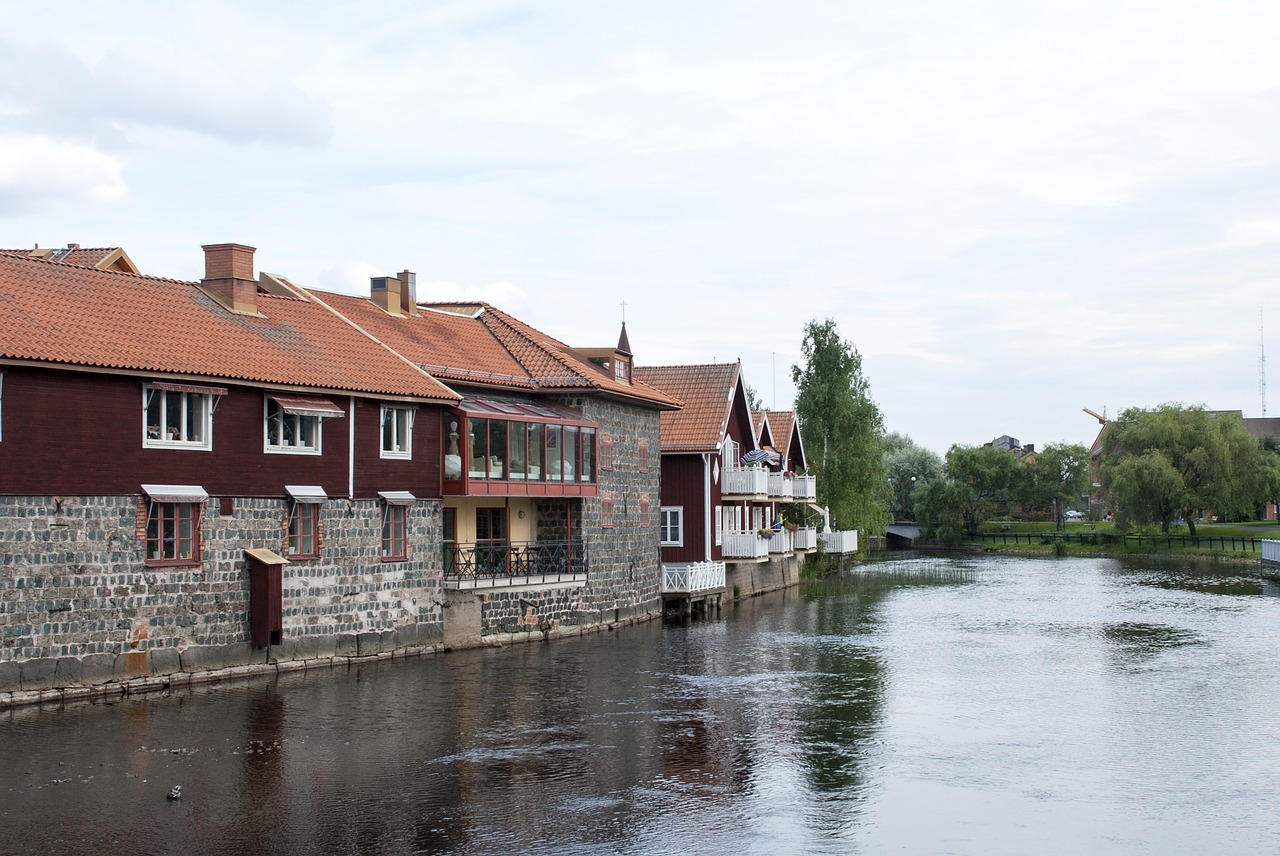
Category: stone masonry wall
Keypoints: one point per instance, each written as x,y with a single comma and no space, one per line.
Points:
626,570
76,595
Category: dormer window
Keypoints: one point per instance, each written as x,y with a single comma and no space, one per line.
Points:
622,369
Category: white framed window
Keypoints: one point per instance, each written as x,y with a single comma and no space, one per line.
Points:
176,416
397,431
293,423
671,526
718,515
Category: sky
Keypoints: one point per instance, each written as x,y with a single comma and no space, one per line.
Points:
1012,210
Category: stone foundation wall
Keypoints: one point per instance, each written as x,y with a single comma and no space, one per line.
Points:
78,605
751,578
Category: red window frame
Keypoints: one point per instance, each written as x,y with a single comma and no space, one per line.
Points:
644,511
173,528
606,512
302,521
643,454
395,532
606,450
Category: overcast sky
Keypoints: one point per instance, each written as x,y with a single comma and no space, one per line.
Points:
1014,210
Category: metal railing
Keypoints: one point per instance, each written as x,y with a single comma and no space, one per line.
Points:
1225,543
695,577
502,560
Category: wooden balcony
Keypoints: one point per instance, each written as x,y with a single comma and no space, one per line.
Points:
746,546
805,539
804,488
781,487
749,482
692,578
839,542
780,543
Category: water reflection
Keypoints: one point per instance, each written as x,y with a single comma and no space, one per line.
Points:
969,705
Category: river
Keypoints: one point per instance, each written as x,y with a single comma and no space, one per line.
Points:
922,705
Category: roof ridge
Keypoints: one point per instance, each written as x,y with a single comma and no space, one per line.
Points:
513,324
19,255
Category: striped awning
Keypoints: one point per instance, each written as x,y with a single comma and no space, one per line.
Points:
303,405
186,387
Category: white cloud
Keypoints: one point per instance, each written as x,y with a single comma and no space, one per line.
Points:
38,174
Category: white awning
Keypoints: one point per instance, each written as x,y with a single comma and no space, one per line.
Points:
175,493
312,493
397,497
301,405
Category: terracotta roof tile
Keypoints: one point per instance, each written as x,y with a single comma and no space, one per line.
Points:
61,313
482,345
706,392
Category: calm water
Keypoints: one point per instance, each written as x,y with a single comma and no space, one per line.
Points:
930,706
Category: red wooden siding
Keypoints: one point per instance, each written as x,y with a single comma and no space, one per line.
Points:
682,484
67,432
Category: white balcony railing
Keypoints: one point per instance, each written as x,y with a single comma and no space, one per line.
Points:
804,487
839,542
692,578
780,542
781,486
752,480
1271,552
744,545
805,538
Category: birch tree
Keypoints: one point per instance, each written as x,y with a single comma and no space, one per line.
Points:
841,425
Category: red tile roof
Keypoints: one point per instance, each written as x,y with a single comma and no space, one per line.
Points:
478,344
707,393
102,258
60,313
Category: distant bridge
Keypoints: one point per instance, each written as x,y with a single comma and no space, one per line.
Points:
901,536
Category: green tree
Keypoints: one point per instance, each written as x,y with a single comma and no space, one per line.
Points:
940,505
983,479
1055,478
1176,461
753,398
841,425
909,468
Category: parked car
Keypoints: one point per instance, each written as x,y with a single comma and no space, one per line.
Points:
1072,514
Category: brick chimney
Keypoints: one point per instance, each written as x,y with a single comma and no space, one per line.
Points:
229,279
386,294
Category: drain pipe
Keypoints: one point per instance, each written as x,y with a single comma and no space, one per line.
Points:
706,506
351,447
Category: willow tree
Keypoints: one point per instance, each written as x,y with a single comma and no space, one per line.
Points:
1175,461
842,429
